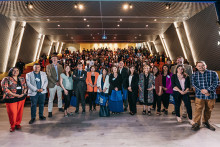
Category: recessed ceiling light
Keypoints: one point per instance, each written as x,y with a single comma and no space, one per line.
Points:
118,25
75,6
84,19
48,19
120,19
114,37
58,25
130,6
155,19
146,25
125,6
135,37
93,37
139,34
30,5
88,25
91,34
81,6
168,6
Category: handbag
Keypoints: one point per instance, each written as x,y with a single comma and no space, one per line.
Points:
73,101
116,96
104,111
172,99
102,100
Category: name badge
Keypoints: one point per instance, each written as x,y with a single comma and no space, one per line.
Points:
113,79
37,79
18,88
168,76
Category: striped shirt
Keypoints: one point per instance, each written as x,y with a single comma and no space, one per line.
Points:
208,80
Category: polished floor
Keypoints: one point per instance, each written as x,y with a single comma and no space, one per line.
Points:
118,130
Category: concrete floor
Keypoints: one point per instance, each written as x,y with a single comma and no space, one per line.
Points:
118,130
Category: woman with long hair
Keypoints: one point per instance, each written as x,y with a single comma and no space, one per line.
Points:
167,87
146,83
181,86
14,90
66,83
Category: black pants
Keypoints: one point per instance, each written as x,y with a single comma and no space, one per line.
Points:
165,99
157,101
178,99
80,94
67,99
92,98
132,100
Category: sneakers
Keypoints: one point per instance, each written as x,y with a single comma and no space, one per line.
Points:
179,120
50,114
32,121
166,112
209,126
195,127
61,109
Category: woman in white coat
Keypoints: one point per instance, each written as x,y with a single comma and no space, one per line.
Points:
103,88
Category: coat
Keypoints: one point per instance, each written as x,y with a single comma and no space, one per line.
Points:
52,76
89,80
150,84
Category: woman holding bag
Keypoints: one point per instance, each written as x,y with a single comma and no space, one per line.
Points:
115,102
103,89
66,82
146,85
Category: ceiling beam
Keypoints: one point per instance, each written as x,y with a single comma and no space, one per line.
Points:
128,0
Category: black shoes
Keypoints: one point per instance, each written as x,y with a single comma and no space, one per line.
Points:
174,112
184,115
77,111
50,114
209,126
84,111
144,112
166,112
125,109
42,118
195,127
61,110
149,113
32,121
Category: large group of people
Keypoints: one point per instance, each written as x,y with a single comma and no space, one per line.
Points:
116,80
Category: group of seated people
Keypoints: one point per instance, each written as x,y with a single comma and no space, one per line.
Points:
114,80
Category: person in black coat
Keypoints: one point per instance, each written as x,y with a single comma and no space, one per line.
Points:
115,81
123,71
79,86
132,82
181,86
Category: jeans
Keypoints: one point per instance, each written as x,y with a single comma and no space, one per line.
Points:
40,98
125,100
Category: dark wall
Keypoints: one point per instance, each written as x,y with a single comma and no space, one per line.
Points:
5,25
204,33
173,42
158,45
46,46
28,44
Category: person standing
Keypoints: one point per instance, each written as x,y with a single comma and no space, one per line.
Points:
205,83
53,74
132,82
103,89
66,82
146,85
167,87
181,86
115,80
20,65
14,93
91,82
123,71
79,86
37,88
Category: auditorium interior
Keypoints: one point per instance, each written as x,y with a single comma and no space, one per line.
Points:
174,28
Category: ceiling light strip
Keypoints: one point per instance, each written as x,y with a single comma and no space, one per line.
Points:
61,48
165,43
51,45
41,45
11,34
180,39
37,46
58,43
155,46
149,47
19,42
190,42
162,41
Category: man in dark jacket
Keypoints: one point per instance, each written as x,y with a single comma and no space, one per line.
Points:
79,86
123,71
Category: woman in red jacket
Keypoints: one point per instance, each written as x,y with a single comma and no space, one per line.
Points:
14,93
91,82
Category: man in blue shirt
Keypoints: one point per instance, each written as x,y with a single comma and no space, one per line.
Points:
205,83
37,88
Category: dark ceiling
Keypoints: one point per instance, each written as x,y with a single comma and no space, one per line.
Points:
100,16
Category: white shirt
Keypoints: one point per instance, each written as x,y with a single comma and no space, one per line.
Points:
130,79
